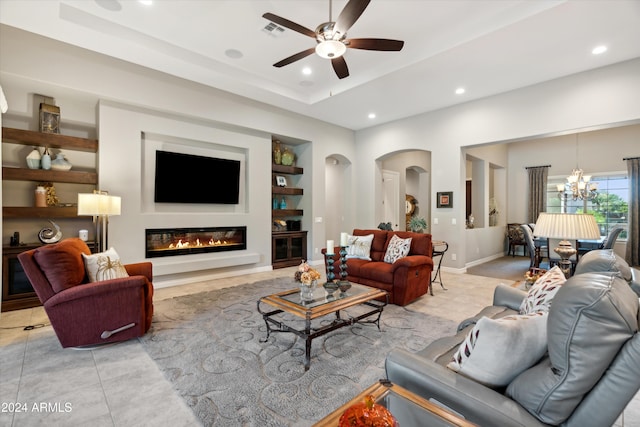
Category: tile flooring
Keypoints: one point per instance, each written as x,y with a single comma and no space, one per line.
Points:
120,385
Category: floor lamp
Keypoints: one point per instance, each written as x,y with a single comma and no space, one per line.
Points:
566,227
100,205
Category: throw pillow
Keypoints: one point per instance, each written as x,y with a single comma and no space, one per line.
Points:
496,351
542,292
104,266
62,263
397,248
359,246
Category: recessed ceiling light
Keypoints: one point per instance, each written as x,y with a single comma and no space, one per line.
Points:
372,115
460,91
306,71
233,53
599,49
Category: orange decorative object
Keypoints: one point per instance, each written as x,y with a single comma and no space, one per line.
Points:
367,414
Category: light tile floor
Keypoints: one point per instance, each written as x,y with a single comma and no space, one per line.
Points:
43,384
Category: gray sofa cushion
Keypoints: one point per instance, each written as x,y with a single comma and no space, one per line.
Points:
592,317
603,260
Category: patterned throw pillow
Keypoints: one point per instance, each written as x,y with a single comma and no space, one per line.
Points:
398,248
496,351
104,266
359,246
542,292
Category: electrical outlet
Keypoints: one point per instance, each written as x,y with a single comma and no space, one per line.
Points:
315,251
453,221
453,257
435,221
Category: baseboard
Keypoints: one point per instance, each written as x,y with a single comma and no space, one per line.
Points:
483,260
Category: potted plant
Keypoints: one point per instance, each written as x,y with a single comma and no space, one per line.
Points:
417,224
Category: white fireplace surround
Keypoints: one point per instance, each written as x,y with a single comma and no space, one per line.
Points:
129,137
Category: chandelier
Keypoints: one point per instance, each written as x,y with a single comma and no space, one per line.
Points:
578,186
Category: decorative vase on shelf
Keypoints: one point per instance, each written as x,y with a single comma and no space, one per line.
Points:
277,154
45,161
276,204
287,157
33,159
60,163
283,203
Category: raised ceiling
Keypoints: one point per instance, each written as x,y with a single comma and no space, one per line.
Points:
486,47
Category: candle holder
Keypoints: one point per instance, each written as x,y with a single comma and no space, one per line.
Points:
343,264
330,261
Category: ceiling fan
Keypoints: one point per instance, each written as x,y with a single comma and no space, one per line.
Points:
332,37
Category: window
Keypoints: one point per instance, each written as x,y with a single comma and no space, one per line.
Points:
610,206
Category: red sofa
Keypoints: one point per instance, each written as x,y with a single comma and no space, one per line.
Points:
405,280
83,313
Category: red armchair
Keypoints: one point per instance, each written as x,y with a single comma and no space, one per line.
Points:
84,313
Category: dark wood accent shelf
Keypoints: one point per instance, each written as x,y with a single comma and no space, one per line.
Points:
287,191
291,170
277,213
48,212
51,140
75,177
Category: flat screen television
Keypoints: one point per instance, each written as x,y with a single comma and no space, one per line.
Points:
187,178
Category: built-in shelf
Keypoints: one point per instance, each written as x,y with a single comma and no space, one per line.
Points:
48,212
287,191
51,140
75,177
287,212
291,170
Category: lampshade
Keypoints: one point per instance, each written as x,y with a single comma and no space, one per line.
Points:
98,204
567,226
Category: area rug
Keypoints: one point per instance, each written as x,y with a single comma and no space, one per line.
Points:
208,345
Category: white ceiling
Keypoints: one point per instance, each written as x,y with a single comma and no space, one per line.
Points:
485,46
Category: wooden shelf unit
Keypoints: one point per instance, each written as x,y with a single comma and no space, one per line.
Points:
288,247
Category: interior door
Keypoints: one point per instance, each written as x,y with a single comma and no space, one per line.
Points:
391,197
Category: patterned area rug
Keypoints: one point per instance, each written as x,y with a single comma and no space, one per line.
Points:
208,346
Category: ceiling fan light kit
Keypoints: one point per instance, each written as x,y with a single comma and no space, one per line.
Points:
331,37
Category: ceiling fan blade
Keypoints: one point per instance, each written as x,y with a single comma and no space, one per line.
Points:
289,24
294,58
340,67
350,14
375,44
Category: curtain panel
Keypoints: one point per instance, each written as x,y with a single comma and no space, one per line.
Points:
633,233
537,191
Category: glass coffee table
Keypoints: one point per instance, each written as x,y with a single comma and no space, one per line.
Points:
409,409
320,305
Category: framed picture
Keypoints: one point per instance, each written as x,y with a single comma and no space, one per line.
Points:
445,199
281,181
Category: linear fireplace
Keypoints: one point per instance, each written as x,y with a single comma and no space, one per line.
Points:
161,242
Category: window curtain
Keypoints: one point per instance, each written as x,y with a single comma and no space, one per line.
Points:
537,191
633,233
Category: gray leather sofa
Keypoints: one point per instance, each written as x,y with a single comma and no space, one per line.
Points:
587,377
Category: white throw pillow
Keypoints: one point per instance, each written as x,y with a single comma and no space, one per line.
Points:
104,266
496,351
397,248
542,291
359,246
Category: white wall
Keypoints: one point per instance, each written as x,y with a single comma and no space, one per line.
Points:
134,98
600,97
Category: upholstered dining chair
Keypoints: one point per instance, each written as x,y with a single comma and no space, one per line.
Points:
515,238
84,313
536,252
611,238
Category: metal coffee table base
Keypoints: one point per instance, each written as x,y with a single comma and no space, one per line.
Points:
309,333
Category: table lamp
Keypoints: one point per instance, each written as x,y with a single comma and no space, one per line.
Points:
566,227
100,205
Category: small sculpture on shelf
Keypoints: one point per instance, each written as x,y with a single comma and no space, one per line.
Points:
60,163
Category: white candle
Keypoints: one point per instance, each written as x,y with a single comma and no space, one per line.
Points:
344,240
329,247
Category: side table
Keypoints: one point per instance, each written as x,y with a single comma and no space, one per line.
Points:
440,247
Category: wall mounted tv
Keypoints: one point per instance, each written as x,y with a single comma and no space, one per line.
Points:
186,178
